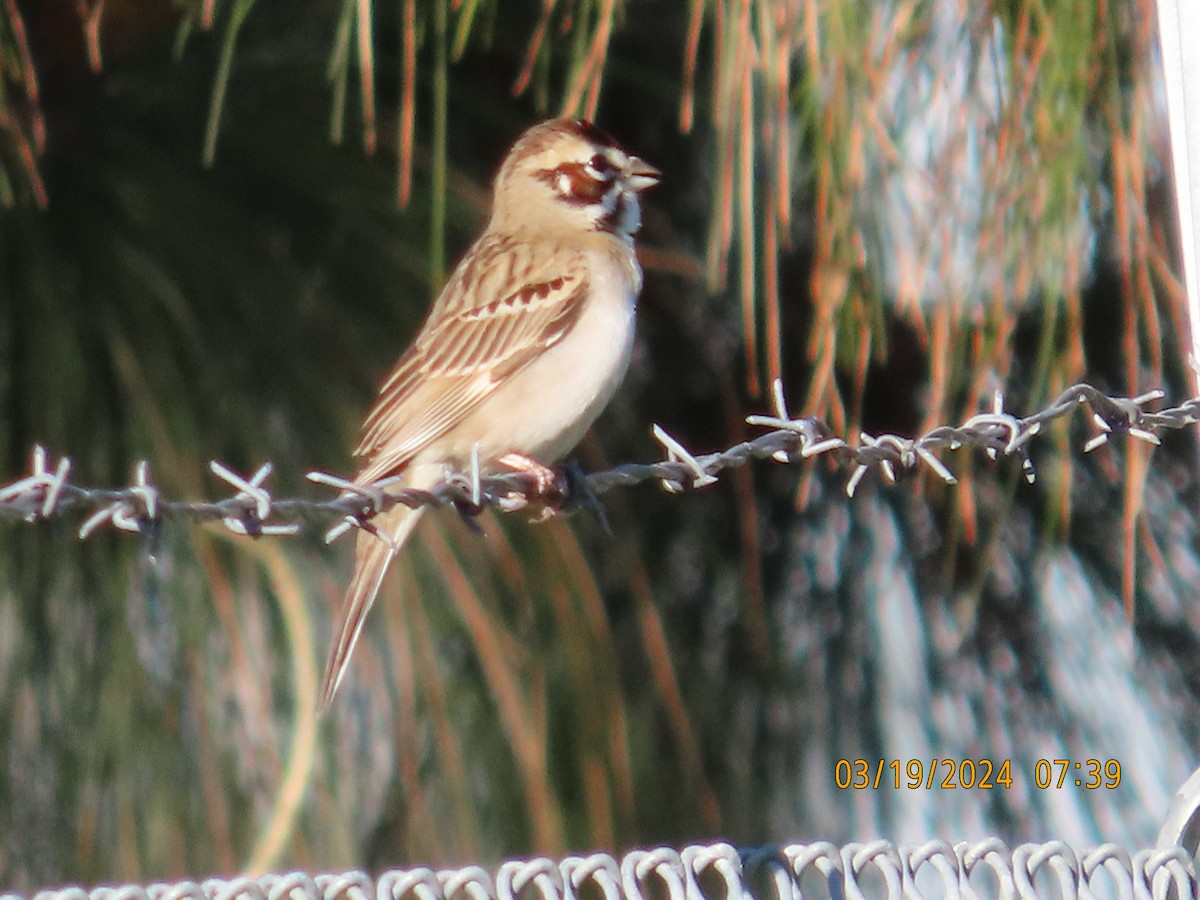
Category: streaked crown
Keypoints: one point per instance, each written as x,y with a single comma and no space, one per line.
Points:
575,174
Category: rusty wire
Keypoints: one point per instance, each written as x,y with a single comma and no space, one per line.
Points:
47,491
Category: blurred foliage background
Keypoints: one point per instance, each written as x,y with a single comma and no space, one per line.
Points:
220,222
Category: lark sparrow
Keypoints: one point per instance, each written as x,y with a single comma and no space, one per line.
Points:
525,345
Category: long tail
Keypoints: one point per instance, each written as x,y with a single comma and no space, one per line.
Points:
372,557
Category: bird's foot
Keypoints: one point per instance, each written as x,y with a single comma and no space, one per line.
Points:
545,479
556,490
547,489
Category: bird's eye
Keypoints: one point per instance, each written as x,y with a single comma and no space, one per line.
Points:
599,166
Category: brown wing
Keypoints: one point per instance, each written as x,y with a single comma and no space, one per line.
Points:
505,305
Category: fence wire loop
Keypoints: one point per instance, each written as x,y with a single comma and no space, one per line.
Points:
1115,864
1048,871
130,892
251,509
824,857
883,857
1164,870
188,890
772,862
473,882
720,858
940,857
354,885
599,868
516,876
241,888
663,864
990,856
290,886
412,884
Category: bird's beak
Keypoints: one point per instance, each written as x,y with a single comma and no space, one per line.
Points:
640,175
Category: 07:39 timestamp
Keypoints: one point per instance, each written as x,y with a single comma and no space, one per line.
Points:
1085,773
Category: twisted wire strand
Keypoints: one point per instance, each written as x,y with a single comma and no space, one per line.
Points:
818,871
47,491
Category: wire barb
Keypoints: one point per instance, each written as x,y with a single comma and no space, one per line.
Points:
676,452
374,496
136,508
255,501
37,495
46,491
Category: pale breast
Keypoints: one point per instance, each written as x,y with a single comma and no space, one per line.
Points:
543,410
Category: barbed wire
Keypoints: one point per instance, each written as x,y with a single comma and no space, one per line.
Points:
251,509
964,871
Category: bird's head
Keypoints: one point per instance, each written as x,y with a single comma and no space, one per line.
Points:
568,172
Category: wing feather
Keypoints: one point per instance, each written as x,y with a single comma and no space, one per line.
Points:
473,339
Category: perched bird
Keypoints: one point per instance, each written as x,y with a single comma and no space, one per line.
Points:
525,345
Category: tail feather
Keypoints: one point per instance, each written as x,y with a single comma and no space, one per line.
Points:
372,558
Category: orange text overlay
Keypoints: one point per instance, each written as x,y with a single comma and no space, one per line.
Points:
975,774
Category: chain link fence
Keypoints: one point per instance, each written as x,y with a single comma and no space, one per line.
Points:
817,871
